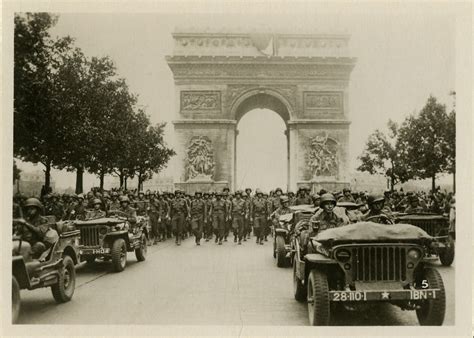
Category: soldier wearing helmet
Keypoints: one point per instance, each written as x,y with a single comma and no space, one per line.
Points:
114,203
329,216
179,211
128,210
34,227
141,204
413,204
302,196
291,197
97,211
228,204
154,217
198,216
80,209
376,204
258,215
282,210
238,212
218,214
346,196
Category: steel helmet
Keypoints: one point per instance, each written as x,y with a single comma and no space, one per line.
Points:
278,189
33,202
375,198
238,192
284,199
197,193
258,191
124,198
328,198
96,201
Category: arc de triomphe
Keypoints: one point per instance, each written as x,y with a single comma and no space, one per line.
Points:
221,76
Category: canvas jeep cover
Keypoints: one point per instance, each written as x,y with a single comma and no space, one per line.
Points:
372,231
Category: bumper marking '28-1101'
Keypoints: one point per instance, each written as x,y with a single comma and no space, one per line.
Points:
358,296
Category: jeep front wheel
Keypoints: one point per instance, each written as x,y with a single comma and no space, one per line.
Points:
63,290
280,251
119,255
446,256
298,288
431,311
318,298
140,252
16,303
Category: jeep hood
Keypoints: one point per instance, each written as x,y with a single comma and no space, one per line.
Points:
370,231
105,221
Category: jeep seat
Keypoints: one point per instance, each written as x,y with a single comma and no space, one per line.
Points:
22,248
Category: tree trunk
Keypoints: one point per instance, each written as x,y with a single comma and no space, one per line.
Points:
47,176
125,182
79,177
433,183
101,177
121,180
140,182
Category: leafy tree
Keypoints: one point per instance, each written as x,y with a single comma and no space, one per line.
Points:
381,156
425,143
35,62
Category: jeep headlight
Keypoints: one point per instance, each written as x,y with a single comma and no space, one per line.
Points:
119,226
103,230
343,255
414,254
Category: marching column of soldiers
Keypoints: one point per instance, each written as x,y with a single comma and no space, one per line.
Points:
215,214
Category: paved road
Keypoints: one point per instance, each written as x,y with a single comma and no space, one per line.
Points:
198,285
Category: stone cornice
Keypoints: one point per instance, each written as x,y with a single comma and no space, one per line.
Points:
204,121
317,121
268,60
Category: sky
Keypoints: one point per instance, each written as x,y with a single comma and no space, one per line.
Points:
403,56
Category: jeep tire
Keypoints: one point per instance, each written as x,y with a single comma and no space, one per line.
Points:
318,298
281,259
446,256
432,310
141,251
16,302
298,288
118,255
63,290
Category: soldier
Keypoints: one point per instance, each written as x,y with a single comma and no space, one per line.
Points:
329,216
164,215
258,215
228,221
282,210
238,212
114,202
141,204
80,209
128,211
316,200
291,198
218,214
207,221
198,216
179,211
247,223
35,227
154,216
276,199
377,207
414,205
303,197
96,212
347,196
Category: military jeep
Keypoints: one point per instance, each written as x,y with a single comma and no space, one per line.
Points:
365,263
438,227
55,267
283,231
110,238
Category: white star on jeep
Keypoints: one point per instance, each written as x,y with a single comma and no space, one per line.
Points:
385,295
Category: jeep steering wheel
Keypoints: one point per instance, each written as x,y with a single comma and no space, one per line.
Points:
382,219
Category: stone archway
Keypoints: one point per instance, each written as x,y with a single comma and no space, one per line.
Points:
264,98
221,76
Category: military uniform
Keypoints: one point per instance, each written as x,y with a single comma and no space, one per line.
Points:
238,211
334,219
130,213
198,216
154,216
95,213
219,214
259,215
141,207
178,213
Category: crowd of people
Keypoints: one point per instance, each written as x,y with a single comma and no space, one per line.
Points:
215,214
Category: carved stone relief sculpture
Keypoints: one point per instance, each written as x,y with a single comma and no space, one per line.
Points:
200,159
322,156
